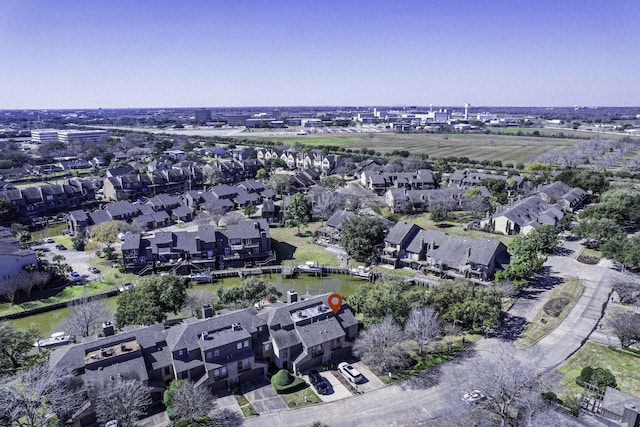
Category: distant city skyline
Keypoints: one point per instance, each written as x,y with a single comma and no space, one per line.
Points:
134,54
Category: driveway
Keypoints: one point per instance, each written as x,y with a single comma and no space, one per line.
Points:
338,390
263,397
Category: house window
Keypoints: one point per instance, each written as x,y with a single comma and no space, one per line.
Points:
245,344
209,354
220,373
216,352
260,328
167,370
284,353
227,251
266,348
239,345
180,352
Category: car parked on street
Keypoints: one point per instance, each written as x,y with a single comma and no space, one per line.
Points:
320,384
474,396
94,270
350,373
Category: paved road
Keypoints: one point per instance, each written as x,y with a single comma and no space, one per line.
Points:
434,395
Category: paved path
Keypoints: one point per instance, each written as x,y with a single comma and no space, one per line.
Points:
423,399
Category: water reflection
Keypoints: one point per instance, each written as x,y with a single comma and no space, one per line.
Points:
53,321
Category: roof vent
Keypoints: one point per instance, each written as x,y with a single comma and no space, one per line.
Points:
205,336
236,326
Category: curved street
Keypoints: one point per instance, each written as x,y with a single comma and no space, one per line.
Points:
435,395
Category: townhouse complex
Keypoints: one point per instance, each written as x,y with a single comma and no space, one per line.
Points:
219,351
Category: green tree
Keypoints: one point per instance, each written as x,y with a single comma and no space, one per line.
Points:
360,235
545,238
597,231
332,182
389,295
280,183
497,188
15,344
262,174
473,307
603,378
251,290
9,213
151,300
298,211
105,233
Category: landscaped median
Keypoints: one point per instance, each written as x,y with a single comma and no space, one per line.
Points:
558,305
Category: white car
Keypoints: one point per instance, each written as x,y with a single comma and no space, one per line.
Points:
48,240
350,373
474,396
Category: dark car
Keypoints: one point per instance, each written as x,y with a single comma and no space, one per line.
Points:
320,384
61,247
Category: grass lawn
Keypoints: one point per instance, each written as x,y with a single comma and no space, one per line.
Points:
289,246
54,230
247,409
453,227
624,365
297,399
542,324
65,294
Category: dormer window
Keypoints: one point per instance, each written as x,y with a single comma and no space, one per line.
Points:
180,352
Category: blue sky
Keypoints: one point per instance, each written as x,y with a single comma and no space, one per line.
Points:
90,54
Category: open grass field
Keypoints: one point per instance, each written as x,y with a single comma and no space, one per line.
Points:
623,365
507,148
543,323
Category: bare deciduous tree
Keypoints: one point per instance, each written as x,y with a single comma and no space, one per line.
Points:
191,402
626,326
380,346
627,286
507,288
231,218
512,387
122,400
40,279
10,288
423,326
36,395
85,317
325,203
196,299
451,331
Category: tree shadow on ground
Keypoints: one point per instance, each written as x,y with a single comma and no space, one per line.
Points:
542,282
283,250
423,380
509,327
561,251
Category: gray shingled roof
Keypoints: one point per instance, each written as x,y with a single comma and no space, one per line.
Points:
401,231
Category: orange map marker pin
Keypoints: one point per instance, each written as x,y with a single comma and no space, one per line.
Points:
335,302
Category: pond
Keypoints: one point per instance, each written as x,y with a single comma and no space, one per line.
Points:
345,285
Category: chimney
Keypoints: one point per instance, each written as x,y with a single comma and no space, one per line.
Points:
205,336
433,244
292,296
207,311
108,329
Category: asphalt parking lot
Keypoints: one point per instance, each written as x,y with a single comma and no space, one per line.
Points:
78,260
